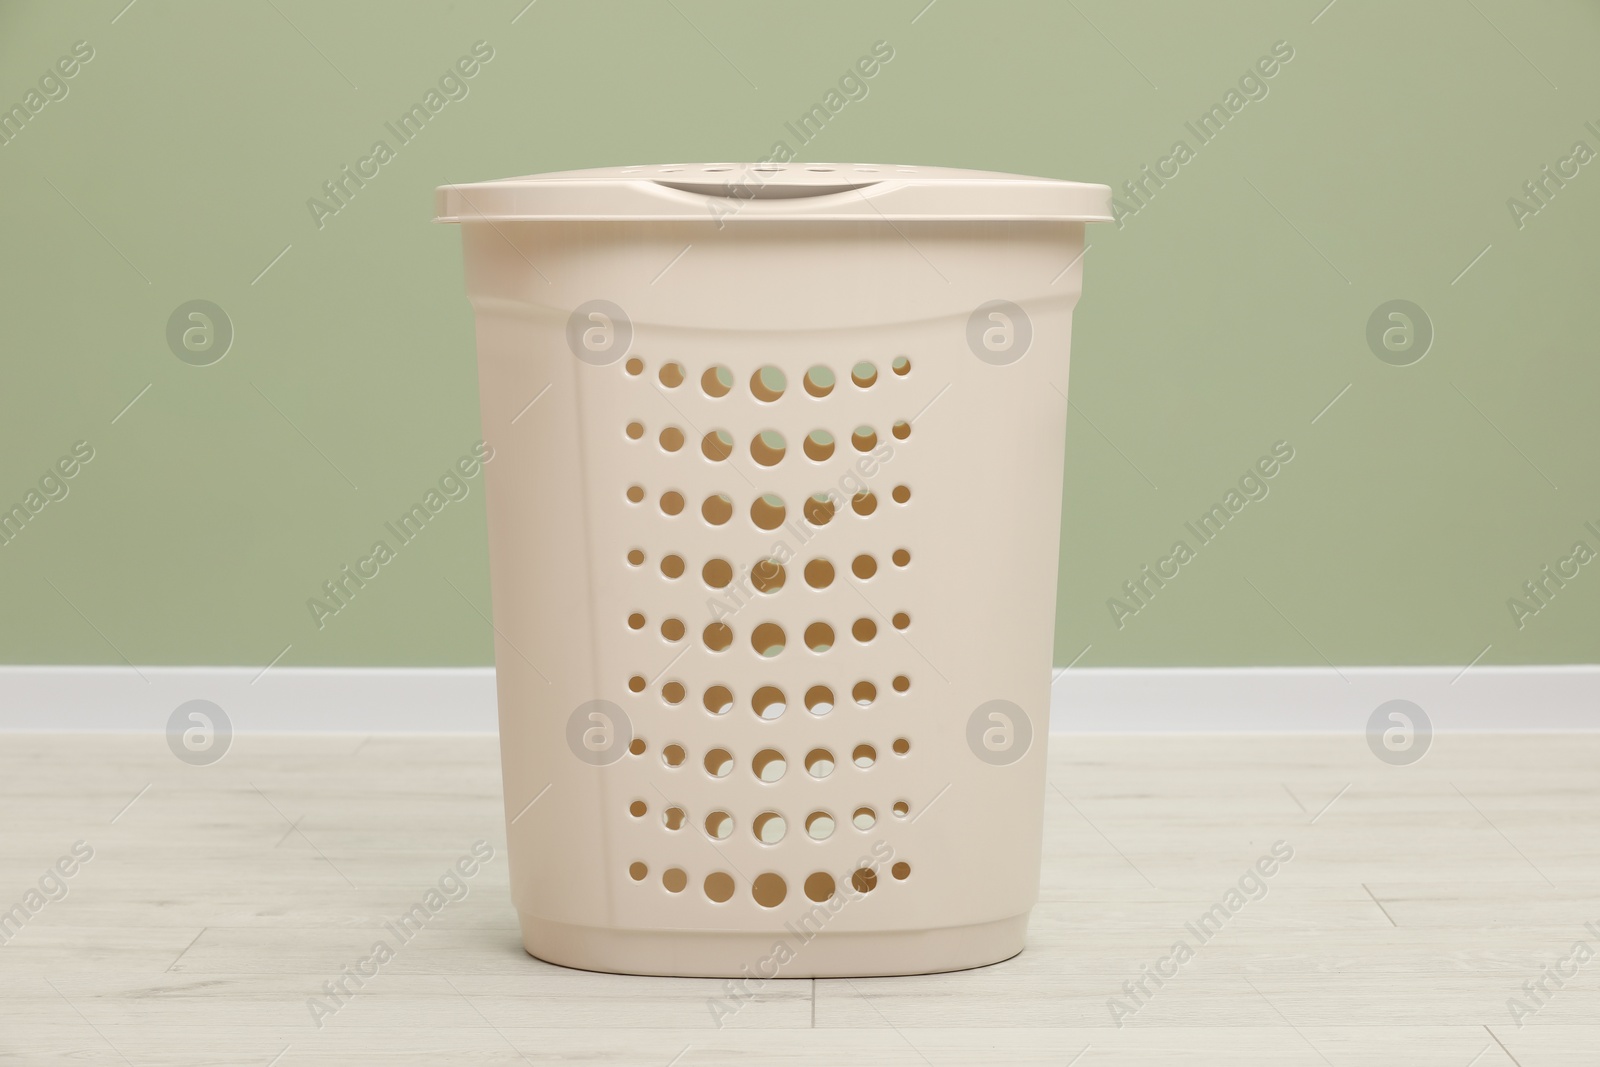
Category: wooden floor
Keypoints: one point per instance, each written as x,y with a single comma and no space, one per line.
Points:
1419,900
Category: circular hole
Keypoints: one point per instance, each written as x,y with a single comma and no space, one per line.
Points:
769,765
634,366
864,879
819,509
769,827
863,629
716,381
717,509
719,825
768,447
672,629
901,620
637,683
901,746
901,494
901,809
637,871
719,762
675,880
819,637
717,636
671,375
819,574
864,693
767,639
864,756
718,700
819,445
673,692
901,366
768,384
635,493
864,566
635,556
674,755
863,374
819,381
638,809
901,871
864,502
768,702
819,700
719,887
672,566
672,502
673,818
864,439
864,818
901,557
819,826
636,621
717,445
819,887
901,430
635,430
717,573
768,512
767,576
637,746
769,890
901,683
819,763
671,439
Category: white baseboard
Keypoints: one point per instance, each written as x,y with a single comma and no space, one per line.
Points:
1084,700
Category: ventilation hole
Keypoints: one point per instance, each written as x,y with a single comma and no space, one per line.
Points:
718,636
819,381
819,826
769,827
865,693
864,818
819,763
719,825
672,566
864,439
637,683
819,445
769,765
635,493
901,683
673,818
819,637
864,880
637,871
673,692
719,887
767,639
901,558
674,755
768,512
718,700
768,384
675,880
768,447
863,629
637,746
901,430
717,509
864,756
864,502
672,502
634,366
768,702
636,621
635,430
819,574
672,629
671,439
901,366
671,375
901,620
820,887
717,381
863,374
901,809
769,890
719,762
819,700
901,494
717,445
901,746
638,809
819,509
717,573
768,576
901,871
635,556
864,566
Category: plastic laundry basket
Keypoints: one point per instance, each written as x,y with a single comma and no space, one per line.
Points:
774,512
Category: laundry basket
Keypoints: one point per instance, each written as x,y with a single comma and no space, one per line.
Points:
774,507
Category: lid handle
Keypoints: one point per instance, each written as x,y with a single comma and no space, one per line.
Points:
766,191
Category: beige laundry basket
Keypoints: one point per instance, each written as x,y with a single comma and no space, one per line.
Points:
774,510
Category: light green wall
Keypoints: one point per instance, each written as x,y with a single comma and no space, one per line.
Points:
1220,319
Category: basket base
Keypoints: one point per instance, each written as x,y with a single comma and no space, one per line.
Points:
776,954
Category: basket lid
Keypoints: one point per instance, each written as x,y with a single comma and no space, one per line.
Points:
725,192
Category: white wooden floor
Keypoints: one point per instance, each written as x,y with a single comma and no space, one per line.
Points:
1419,900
